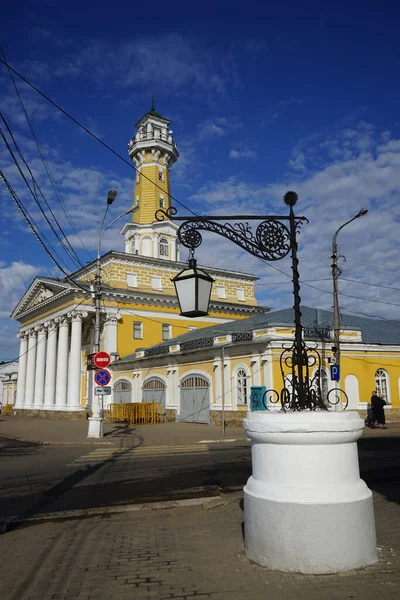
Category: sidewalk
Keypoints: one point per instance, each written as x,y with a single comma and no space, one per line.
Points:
47,431
185,553
59,432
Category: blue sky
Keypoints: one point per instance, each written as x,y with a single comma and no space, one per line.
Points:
294,95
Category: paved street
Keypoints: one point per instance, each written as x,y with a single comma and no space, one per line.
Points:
76,545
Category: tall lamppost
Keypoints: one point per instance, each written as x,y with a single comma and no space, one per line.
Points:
336,271
96,421
305,507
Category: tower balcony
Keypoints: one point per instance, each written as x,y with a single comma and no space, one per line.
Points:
148,139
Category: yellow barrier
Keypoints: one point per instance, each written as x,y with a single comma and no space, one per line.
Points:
137,412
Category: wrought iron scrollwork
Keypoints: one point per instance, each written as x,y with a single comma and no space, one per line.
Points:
302,389
271,240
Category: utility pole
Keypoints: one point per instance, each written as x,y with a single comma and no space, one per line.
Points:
336,271
96,421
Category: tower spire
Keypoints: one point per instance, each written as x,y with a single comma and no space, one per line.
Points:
152,104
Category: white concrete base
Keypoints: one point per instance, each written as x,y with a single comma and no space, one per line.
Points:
96,427
305,507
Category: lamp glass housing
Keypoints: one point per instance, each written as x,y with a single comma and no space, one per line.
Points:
193,289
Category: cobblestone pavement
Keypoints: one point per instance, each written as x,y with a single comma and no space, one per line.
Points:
190,553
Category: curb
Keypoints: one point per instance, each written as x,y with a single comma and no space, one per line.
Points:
207,502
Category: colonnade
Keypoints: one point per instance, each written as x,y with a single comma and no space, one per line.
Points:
49,373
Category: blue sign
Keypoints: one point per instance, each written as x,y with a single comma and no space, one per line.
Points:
335,372
102,377
258,397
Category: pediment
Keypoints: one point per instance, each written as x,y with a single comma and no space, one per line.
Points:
40,292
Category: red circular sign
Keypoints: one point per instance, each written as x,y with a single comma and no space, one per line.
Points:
102,359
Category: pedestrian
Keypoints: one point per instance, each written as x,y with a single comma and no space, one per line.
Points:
377,404
370,420
1,405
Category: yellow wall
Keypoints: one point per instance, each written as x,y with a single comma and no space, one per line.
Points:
148,193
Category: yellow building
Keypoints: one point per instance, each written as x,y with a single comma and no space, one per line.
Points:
139,305
198,374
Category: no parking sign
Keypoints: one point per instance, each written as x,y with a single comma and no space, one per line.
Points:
102,377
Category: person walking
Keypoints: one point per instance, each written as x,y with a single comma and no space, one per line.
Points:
377,405
370,420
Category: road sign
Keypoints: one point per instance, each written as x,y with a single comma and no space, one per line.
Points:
335,372
103,391
102,360
91,366
102,377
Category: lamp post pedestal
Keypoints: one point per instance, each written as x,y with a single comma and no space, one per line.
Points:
96,425
305,507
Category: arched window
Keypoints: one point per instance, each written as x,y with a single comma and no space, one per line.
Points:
382,384
241,386
163,246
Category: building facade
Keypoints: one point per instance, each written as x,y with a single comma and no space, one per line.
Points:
139,305
201,373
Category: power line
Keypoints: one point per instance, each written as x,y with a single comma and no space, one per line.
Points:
33,227
386,287
70,251
130,164
369,299
46,166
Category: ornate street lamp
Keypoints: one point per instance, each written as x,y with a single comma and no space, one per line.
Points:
193,289
272,240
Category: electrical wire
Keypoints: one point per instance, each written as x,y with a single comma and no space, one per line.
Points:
95,137
46,166
33,227
65,245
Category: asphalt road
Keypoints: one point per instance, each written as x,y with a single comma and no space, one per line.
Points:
37,479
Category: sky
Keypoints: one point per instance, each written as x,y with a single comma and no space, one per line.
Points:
300,96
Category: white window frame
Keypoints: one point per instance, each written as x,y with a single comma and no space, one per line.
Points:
162,201
242,369
137,200
240,294
156,283
221,292
163,245
382,384
160,175
131,280
166,330
140,333
137,177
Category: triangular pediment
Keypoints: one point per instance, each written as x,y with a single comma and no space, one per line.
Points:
41,290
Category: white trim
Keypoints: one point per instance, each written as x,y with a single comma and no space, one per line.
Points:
246,369
161,315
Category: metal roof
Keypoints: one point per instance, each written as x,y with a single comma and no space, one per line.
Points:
373,331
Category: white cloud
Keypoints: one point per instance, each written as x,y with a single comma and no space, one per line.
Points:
244,152
348,180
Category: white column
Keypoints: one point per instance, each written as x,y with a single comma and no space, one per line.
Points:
155,246
256,370
22,362
51,359
110,345
173,249
62,364
75,367
30,369
40,367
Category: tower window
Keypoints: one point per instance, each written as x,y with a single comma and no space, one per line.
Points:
137,200
163,246
138,178
160,176
162,202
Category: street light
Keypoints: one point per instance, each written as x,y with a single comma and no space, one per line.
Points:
193,289
96,422
335,274
314,453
